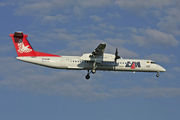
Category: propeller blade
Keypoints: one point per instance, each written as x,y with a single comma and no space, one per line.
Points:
116,55
116,52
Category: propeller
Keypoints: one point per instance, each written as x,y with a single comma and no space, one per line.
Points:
116,55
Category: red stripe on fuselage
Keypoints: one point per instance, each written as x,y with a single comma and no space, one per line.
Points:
41,54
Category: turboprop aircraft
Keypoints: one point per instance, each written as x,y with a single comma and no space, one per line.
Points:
97,60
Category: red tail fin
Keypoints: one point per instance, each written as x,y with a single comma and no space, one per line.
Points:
23,48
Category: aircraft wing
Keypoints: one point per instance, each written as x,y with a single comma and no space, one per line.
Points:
98,55
99,50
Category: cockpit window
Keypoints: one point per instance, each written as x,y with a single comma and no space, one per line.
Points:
153,62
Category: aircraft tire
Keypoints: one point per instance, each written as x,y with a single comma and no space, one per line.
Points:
87,77
157,75
93,71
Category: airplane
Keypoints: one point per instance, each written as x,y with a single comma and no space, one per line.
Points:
97,60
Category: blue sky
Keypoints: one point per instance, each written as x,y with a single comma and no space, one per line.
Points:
140,29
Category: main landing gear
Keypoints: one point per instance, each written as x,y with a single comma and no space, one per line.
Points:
157,75
88,74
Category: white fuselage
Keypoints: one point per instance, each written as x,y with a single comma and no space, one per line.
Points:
74,63
97,60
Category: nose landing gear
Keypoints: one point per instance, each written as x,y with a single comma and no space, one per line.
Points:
157,75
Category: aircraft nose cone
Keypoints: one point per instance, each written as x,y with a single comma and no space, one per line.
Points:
161,69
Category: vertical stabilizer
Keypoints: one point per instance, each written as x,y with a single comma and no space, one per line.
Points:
22,46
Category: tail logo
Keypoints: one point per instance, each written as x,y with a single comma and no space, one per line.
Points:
23,49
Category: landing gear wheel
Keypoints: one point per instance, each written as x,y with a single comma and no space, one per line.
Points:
93,71
157,74
87,77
